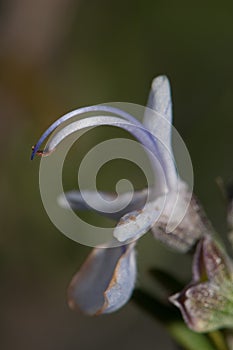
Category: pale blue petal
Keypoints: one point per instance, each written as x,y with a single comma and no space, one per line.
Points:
105,281
159,124
160,99
121,288
128,201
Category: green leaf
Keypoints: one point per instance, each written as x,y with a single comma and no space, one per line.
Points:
219,339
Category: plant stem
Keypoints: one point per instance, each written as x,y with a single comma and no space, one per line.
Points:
218,339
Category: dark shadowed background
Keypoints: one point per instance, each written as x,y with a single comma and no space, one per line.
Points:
57,55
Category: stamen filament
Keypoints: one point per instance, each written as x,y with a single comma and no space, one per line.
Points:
96,108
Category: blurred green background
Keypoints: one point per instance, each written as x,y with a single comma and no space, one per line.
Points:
57,55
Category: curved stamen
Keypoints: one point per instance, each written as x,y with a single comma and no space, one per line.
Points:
96,108
137,131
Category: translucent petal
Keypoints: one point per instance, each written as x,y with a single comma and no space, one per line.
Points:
160,100
105,281
160,124
182,221
77,202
